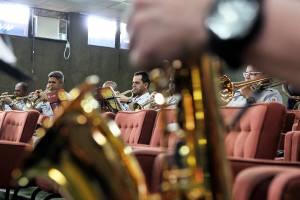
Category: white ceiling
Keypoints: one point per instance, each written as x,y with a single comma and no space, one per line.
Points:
103,8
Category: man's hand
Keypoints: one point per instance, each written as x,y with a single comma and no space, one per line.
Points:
166,29
6,100
123,98
246,91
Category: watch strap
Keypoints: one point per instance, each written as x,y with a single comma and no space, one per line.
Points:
232,50
11,104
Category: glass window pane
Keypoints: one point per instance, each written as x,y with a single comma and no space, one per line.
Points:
101,32
124,37
14,19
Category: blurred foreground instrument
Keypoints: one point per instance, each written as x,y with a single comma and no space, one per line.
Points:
201,170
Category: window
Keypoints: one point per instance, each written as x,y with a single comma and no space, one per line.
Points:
50,28
101,32
14,19
124,37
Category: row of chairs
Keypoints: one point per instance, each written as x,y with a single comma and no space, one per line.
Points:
16,132
254,141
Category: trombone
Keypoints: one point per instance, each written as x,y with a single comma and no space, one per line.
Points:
127,92
228,88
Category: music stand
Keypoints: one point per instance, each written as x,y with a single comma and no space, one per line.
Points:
58,99
108,99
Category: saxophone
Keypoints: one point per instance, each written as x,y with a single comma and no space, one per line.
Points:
199,169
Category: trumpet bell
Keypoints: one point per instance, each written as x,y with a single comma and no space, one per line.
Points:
84,154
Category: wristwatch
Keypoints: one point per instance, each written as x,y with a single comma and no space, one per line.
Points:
250,100
232,26
129,101
11,104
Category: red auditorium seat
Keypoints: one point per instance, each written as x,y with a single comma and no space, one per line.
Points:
288,125
16,130
257,133
296,126
136,127
267,183
42,118
151,157
19,126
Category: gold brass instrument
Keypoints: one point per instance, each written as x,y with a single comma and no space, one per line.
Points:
228,88
127,92
201,170
25,97
8,95
137,106
87,158
34,100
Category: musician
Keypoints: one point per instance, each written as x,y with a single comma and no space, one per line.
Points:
55,82
140,85
245,95
172,100
21,90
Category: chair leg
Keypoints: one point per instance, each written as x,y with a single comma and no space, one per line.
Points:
34,193
54,195
7,192
15,195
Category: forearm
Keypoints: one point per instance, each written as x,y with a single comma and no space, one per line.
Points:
276,50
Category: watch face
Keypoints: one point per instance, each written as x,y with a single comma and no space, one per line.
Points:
233,19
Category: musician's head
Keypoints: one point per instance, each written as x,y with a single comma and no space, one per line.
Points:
55,80
21,89
140,83
253,74
110,84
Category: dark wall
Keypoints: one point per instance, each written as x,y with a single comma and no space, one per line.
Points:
85,60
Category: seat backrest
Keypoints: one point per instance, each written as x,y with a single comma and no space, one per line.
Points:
19,125
2,116
136,127
42,118
167,117
288,125
296,126
257,133
109,115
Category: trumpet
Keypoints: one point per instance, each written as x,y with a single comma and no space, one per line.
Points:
8,95
33,101
228,87
25,97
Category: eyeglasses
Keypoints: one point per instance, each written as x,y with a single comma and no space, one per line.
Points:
245,74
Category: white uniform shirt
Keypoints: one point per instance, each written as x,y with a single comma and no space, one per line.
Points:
140,100
19,104
174,99
265,95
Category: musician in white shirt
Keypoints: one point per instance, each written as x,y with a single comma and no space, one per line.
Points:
140,85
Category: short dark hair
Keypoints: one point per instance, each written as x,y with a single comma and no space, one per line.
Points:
145,77
24,85
58,75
